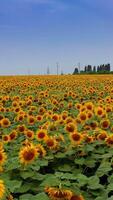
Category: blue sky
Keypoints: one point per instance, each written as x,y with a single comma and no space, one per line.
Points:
35,34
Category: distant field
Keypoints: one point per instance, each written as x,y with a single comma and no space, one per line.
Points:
56,137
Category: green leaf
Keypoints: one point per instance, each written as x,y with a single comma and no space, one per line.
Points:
42,162
13,164
42,196
110,179
24,188
68,176
82,179
65,168
110,187
79,161
50,181
26,197
26,174
13,185
93,183
60,155
111,198
104,168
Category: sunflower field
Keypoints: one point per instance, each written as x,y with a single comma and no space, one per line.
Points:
56,137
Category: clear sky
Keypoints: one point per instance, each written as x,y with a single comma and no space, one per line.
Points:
35,34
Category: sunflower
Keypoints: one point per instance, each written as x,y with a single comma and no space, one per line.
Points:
55,117
27,154
41,134
52,127
39,118
5,138
51,143
17,109
26,142
3,157
5,122
69,120
88,138
89,114
105,123
76,138
102,135
10,197
109,140
41,110
78,106
82,116
13,135
1,117
2,189
58,194
1,146
1,169
41,151
29,134
70,127
99,111
60,138
31,120
89,106
94,125
77,197
64,116
21,128
20,118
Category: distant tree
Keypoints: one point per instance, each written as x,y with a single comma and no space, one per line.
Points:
75,70
98,68
94,69
89,68
85,69
103,67
108,67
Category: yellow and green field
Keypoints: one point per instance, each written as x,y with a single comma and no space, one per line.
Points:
56,137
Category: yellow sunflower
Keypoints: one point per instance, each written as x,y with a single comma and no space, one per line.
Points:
58,194
41,135
27,154
5,122
41,151
2,189
76,138
3,157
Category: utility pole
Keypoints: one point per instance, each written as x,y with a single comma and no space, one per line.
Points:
48,70
57,65
62,72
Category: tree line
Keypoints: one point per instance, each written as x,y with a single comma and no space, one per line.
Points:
104,68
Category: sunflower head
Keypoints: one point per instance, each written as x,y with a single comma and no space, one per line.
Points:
41,135
27,154
2,189
76,138
58,194
5,122
41,151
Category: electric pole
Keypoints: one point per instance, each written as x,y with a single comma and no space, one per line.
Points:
48,70
57,65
